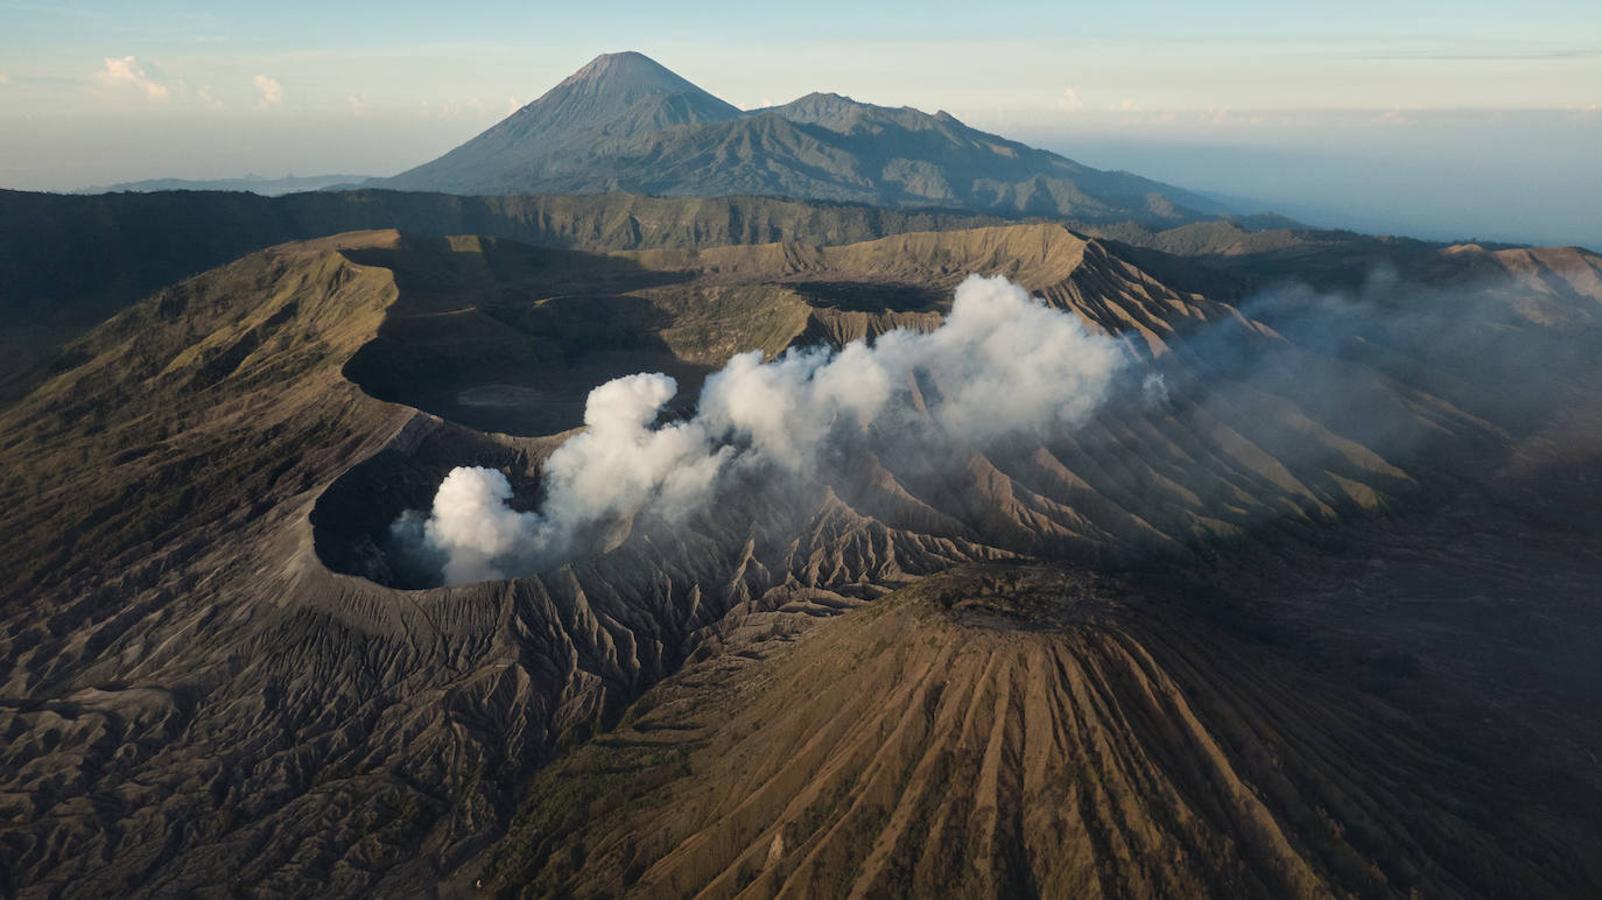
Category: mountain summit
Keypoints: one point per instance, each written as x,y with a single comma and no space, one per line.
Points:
618,88
627,76
626,123
593,113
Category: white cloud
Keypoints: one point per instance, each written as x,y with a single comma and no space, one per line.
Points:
272,93
1070,101
513,105
1128,104
127,71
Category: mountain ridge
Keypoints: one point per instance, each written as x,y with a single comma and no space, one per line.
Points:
198,654
266,186
624,122
69,260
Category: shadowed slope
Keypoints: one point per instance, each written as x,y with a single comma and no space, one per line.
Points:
187,407
191,698
1013,731
70,262
1257,437
615,97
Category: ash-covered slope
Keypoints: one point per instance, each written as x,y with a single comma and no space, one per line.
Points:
75,260
1345,260
70,262
1234,427
207,681
1027,731
191,698
623,122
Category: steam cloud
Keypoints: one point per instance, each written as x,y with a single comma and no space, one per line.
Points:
1001,363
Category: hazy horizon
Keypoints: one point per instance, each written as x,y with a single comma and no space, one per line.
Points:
1482,123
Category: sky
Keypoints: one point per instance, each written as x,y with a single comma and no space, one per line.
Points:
1444,120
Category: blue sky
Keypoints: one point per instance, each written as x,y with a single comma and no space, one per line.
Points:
1018,56
92,92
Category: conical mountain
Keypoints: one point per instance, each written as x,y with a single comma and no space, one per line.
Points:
618,89
626,123
616,97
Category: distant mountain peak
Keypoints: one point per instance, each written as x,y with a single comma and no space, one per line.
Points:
620,58
845,115
830,101
822,97
629,72
626,122
615,97
610,85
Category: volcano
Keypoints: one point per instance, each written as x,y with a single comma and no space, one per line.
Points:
1250,634
625,123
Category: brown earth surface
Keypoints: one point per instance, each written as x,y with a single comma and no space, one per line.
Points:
210,684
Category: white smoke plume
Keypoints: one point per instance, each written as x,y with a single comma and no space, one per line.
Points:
1001,363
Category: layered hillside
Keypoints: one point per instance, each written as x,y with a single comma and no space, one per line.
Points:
1030,731
623,122
70,262
1264,429
1342,260
77,259
216,673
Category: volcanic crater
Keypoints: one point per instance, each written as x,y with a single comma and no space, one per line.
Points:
1169,706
